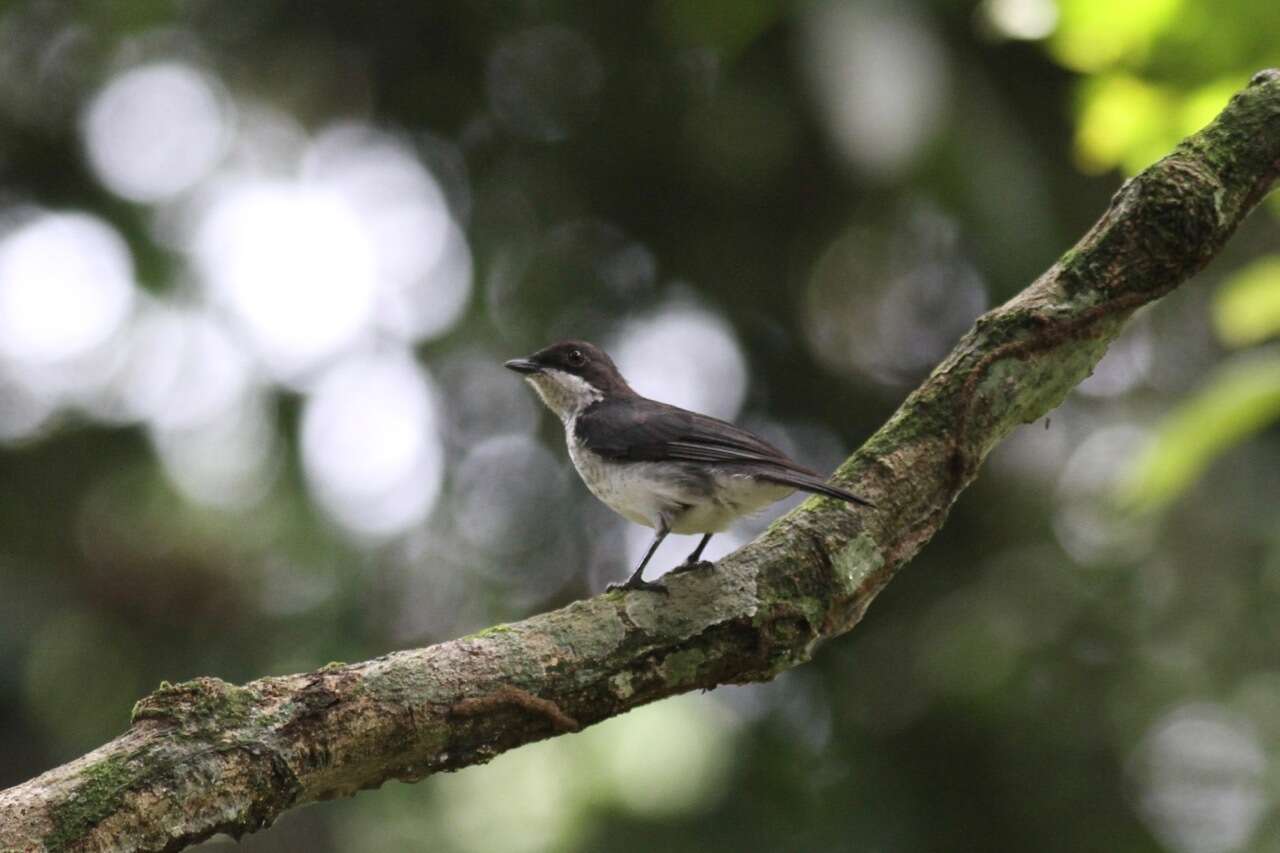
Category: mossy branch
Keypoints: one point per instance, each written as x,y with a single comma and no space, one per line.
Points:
206,757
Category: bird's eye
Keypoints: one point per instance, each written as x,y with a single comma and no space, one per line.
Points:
576,358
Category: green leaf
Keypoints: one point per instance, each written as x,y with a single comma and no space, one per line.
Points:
1246,309
1238,401
1128,121
1097,34
1123,120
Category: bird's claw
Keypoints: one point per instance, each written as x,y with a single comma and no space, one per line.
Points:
639,585
691,566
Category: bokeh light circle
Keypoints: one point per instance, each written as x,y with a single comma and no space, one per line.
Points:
156,130
66,286
294,266
686,356
371,448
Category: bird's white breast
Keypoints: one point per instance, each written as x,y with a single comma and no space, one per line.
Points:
646,492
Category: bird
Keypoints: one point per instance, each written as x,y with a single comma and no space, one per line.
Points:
659,465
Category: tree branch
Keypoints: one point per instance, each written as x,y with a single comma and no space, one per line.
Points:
206,756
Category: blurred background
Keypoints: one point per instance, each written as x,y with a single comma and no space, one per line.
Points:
260,264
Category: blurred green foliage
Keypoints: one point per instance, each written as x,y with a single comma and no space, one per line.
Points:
1241,399
1159,70
794,210
1246,308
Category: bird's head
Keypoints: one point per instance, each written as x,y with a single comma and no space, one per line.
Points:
571,375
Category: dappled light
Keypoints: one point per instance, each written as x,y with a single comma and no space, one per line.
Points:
500,483
1201,772
294,268
686,356
52,358
1125,367
1087,523
53,261
182,367
156,130
881,77
915,295
1019,19
371,444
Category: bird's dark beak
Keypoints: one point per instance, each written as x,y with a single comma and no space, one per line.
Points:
522,365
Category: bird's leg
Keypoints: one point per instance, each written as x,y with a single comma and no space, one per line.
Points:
692,561
636,581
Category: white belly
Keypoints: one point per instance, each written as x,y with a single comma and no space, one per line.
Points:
692,502
737,495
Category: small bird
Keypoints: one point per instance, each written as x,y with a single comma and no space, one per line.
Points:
659,465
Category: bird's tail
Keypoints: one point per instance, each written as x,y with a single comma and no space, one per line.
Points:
814,485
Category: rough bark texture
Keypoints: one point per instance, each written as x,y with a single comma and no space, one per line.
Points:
206,756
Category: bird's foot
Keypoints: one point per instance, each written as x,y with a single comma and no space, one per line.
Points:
691,566
638,584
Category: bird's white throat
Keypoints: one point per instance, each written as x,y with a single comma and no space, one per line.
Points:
565,394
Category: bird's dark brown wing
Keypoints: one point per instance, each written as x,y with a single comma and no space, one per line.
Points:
636,429
639,430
